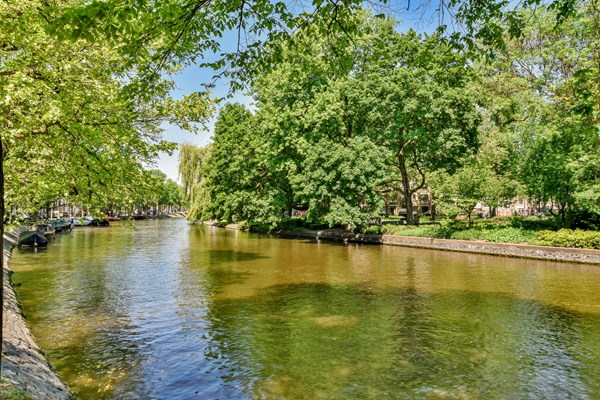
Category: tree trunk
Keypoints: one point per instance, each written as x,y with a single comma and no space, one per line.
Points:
406,192
1,250
387,205
431,205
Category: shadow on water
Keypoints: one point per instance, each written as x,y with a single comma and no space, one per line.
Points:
311,341
226,256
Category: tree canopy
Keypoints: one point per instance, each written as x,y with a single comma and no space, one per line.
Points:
405,112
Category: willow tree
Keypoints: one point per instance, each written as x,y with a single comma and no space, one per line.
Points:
192,161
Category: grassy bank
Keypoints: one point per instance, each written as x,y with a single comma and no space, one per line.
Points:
9,392
521,230
539,233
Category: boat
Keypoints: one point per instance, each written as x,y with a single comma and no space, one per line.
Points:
88,220
46,229
85,221
99,222
32,239
61,225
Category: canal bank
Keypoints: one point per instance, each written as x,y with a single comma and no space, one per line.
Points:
23,362
564,254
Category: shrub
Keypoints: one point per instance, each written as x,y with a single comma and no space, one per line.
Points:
585,219
568,238
534,223
390,229
243,225
318,226
371,229
470,234
292,224
260,227
487,232
509,235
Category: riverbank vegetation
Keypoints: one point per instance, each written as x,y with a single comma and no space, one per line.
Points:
349,115
336,133
9,392
509,230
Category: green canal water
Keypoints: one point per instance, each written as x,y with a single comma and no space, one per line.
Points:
165,310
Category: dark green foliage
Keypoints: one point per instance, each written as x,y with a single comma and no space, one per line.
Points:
260,227
291,224
317,226
534,223
585,219
371,230
340,181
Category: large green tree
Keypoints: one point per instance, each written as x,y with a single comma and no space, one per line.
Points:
238,183
415,93
72,127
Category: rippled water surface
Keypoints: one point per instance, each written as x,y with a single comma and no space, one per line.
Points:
165,310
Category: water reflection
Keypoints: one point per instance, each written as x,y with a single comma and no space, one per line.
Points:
312,341
163,310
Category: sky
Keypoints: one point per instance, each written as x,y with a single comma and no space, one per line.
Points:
190,79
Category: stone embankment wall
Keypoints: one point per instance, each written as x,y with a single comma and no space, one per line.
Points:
586,256
23,362
499,249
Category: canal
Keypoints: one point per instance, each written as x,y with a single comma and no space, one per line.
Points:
167,310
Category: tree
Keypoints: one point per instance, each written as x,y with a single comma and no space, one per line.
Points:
171,33
545,98
341,181
418,104
237,181
70,117
192,162
72,126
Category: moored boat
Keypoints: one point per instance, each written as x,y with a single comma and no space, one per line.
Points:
61,225
46,229
32,238
85,221
99,222
88,220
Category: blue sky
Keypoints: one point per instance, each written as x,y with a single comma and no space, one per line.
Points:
193,77
189,80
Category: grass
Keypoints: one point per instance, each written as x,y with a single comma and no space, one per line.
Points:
9,392
541,232
488,234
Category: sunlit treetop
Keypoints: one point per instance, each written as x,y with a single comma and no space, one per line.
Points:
162,36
